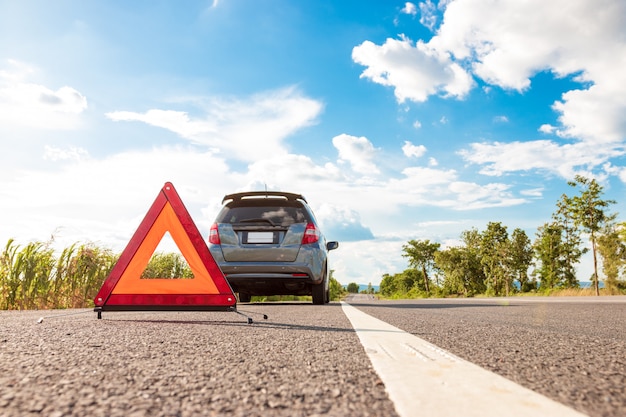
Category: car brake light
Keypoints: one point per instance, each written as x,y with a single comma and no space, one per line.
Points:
311,234
214,235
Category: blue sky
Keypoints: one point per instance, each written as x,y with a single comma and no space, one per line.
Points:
397,120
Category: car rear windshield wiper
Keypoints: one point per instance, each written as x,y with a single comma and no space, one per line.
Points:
257,221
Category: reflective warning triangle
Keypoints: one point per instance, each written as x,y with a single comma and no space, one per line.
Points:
124,289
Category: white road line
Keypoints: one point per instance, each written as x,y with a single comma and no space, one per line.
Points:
425,380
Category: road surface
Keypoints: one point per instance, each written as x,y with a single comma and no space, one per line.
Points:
304,360
572,350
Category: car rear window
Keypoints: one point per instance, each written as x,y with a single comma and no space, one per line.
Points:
281,214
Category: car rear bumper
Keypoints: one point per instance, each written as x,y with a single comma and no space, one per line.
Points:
270,284
264,279
246,271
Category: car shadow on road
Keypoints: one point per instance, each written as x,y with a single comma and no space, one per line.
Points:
264,324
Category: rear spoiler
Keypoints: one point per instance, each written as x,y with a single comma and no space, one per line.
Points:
263,194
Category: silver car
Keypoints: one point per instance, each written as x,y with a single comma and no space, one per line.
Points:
269,243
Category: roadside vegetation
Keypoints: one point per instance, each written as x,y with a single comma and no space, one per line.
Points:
33,276
494,262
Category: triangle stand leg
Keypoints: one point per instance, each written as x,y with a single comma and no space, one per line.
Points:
248,318
250,321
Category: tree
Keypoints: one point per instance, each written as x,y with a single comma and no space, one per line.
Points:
589,212
548,247
387,285
477,281
353,288
334,287
462,271
612,250
570,250
493,255
402,285
520,257
421,254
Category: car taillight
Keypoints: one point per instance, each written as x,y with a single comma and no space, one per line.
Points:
214,235
311,234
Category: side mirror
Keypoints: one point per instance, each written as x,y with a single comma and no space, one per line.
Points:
332,245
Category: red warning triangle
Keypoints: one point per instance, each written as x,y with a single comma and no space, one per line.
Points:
124,289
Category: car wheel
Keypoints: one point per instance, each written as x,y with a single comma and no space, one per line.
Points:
244,298
318,293
327,298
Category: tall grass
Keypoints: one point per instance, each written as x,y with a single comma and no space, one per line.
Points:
33,277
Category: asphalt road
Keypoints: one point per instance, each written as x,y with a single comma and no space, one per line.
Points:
303,360
572,350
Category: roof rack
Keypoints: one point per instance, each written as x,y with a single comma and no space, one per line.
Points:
263,194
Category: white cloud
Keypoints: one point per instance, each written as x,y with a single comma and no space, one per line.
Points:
533,192
286,169
107,198
596,114
176,121
417,124
428,16
501,119
564,160
439,223
366,261
342,223
441,188
546,128
474,196
409,8
415,72
506,43
424,177
26,104
72,153
411,150
509,41
246,129
358,151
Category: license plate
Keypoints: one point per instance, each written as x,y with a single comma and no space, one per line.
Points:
260,237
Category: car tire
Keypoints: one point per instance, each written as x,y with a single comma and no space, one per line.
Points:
319,292
244,297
